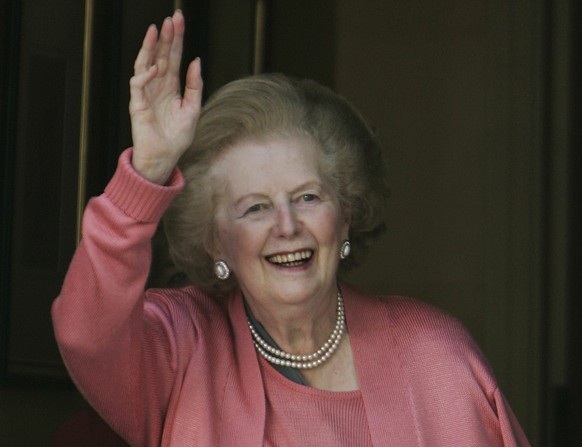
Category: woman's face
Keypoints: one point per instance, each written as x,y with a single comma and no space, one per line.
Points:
279,226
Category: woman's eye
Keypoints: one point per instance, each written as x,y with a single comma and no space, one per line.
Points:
308,197
255,208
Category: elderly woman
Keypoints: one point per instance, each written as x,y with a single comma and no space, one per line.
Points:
280,186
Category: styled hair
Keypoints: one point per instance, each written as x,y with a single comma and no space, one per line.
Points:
258,108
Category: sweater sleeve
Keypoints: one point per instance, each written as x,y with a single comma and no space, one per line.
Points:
99,318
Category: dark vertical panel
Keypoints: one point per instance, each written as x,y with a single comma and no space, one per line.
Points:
104,95
575,257
9,32
547,49
196,38
301,39
45,178
230,42
39,166
41,83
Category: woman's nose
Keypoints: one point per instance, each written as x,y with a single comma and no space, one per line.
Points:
287,224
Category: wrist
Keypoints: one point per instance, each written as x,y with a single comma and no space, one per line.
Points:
154,169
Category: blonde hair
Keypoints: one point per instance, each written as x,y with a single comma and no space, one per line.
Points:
258,108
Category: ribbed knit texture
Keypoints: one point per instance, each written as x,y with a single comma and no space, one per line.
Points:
178,368
127,188
299,416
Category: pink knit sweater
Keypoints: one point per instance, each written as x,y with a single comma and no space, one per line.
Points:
178,368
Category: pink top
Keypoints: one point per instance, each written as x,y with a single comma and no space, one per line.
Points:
324,417
175,367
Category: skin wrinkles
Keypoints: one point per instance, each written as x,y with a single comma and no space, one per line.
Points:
280,232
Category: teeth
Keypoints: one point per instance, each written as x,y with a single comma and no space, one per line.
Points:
291,257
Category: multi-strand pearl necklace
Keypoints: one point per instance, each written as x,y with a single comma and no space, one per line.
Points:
303,361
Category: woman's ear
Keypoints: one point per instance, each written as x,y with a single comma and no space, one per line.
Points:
347,218
213,247
346,232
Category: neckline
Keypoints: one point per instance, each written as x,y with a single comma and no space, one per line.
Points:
273,374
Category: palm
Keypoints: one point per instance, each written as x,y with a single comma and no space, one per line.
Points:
158,120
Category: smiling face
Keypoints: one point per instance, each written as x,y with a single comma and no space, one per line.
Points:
278,225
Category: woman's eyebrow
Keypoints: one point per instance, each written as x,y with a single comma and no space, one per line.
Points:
249,196
259,195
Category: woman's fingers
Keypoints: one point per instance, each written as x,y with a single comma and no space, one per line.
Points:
175,58
137,100
163,50
164,46
145,56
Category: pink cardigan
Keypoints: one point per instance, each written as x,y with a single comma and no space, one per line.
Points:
175,367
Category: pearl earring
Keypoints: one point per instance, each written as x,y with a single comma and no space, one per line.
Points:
345,249
221,269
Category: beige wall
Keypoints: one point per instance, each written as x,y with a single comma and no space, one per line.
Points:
420,76
453,89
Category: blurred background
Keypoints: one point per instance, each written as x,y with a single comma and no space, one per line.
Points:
475,103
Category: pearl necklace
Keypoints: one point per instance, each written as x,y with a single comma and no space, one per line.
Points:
303,361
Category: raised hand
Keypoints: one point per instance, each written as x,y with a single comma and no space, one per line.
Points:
163,121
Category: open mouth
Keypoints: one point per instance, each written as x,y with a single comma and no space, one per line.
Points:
291,259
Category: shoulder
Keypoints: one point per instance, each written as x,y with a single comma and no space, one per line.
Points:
426,348
421,330
421,319
404,313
